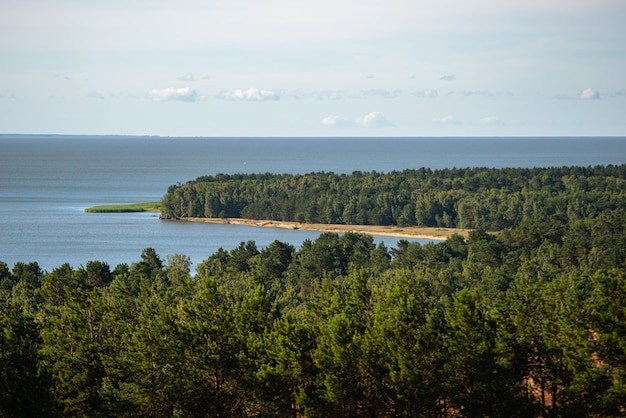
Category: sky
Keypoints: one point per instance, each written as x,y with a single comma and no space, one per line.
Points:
313,68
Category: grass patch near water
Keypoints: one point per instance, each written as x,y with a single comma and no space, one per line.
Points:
129,207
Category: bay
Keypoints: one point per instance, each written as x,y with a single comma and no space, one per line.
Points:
46,182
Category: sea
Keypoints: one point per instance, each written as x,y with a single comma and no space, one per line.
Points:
46,182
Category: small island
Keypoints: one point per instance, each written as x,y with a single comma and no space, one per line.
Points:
126,207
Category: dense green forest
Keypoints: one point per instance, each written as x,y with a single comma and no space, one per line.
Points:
484,198
528,322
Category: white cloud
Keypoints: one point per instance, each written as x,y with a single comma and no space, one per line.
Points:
589,94
184,94
187,77
491,121
252,94
447,120
426,94
337,122
447,77
373,120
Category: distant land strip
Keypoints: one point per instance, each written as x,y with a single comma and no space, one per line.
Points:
434,233
125,208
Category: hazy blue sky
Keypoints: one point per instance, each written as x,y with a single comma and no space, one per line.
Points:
313,68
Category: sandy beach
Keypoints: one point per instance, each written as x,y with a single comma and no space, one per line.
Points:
394,231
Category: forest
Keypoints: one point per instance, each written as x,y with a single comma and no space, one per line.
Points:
471,198
528,321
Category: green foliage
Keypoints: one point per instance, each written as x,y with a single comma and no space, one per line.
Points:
470,198
527,322
129,207
24,388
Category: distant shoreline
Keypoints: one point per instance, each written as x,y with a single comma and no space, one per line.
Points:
62,135
423,232
433,233
126,207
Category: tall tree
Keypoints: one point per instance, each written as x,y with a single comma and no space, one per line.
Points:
24,385
71,331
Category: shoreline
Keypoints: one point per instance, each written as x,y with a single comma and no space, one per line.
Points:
434,233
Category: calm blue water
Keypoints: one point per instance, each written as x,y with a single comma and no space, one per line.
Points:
47,182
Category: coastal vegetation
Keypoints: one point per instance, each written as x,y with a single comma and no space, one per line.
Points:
470,198
528,322
124,208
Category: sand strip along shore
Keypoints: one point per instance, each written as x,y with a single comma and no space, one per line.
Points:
392,231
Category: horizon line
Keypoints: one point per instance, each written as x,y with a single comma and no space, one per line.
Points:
300,136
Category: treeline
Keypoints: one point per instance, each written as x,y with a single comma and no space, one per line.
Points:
483,198
528,322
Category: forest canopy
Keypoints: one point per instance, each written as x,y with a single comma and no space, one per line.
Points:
470,198
527,322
